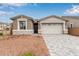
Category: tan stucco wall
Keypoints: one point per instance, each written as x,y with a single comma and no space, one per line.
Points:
39,27
52,20
14,25
29,23
73,21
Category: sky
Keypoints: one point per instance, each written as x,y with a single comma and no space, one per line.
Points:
37,10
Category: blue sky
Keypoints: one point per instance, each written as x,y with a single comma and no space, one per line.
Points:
37,10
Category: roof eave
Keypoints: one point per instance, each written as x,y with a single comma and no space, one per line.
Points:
53,16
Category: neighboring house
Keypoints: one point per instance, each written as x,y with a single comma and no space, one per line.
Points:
4,28
48,25
73,25
73,21
22,25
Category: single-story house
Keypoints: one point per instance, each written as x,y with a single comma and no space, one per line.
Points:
48,25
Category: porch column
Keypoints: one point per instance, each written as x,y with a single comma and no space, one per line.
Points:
65,29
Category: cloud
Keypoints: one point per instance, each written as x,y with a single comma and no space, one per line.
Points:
19,4
72,11
16,4
4,13
12,6
35,4
8,8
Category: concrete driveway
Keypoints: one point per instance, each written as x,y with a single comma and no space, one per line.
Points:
62,45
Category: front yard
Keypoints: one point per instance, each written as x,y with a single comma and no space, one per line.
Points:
21,45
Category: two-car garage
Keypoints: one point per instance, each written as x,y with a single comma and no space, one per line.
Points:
52,28
52,25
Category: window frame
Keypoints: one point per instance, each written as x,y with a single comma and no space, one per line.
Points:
24,26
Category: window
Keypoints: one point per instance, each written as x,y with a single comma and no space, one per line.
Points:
7,29
22,24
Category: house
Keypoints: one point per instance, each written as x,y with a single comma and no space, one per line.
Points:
73,21
49,25
73,24
4,28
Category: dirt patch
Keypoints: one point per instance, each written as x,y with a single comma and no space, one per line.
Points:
17,45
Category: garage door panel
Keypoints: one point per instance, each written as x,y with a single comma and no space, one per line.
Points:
51,28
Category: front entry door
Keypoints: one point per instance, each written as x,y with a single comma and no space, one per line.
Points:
35,27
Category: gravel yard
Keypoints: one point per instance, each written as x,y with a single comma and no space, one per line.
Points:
62,45
17,45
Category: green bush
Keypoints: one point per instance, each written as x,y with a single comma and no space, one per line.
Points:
27,54
1,34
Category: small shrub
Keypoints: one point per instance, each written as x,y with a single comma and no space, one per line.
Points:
1,34
27,54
